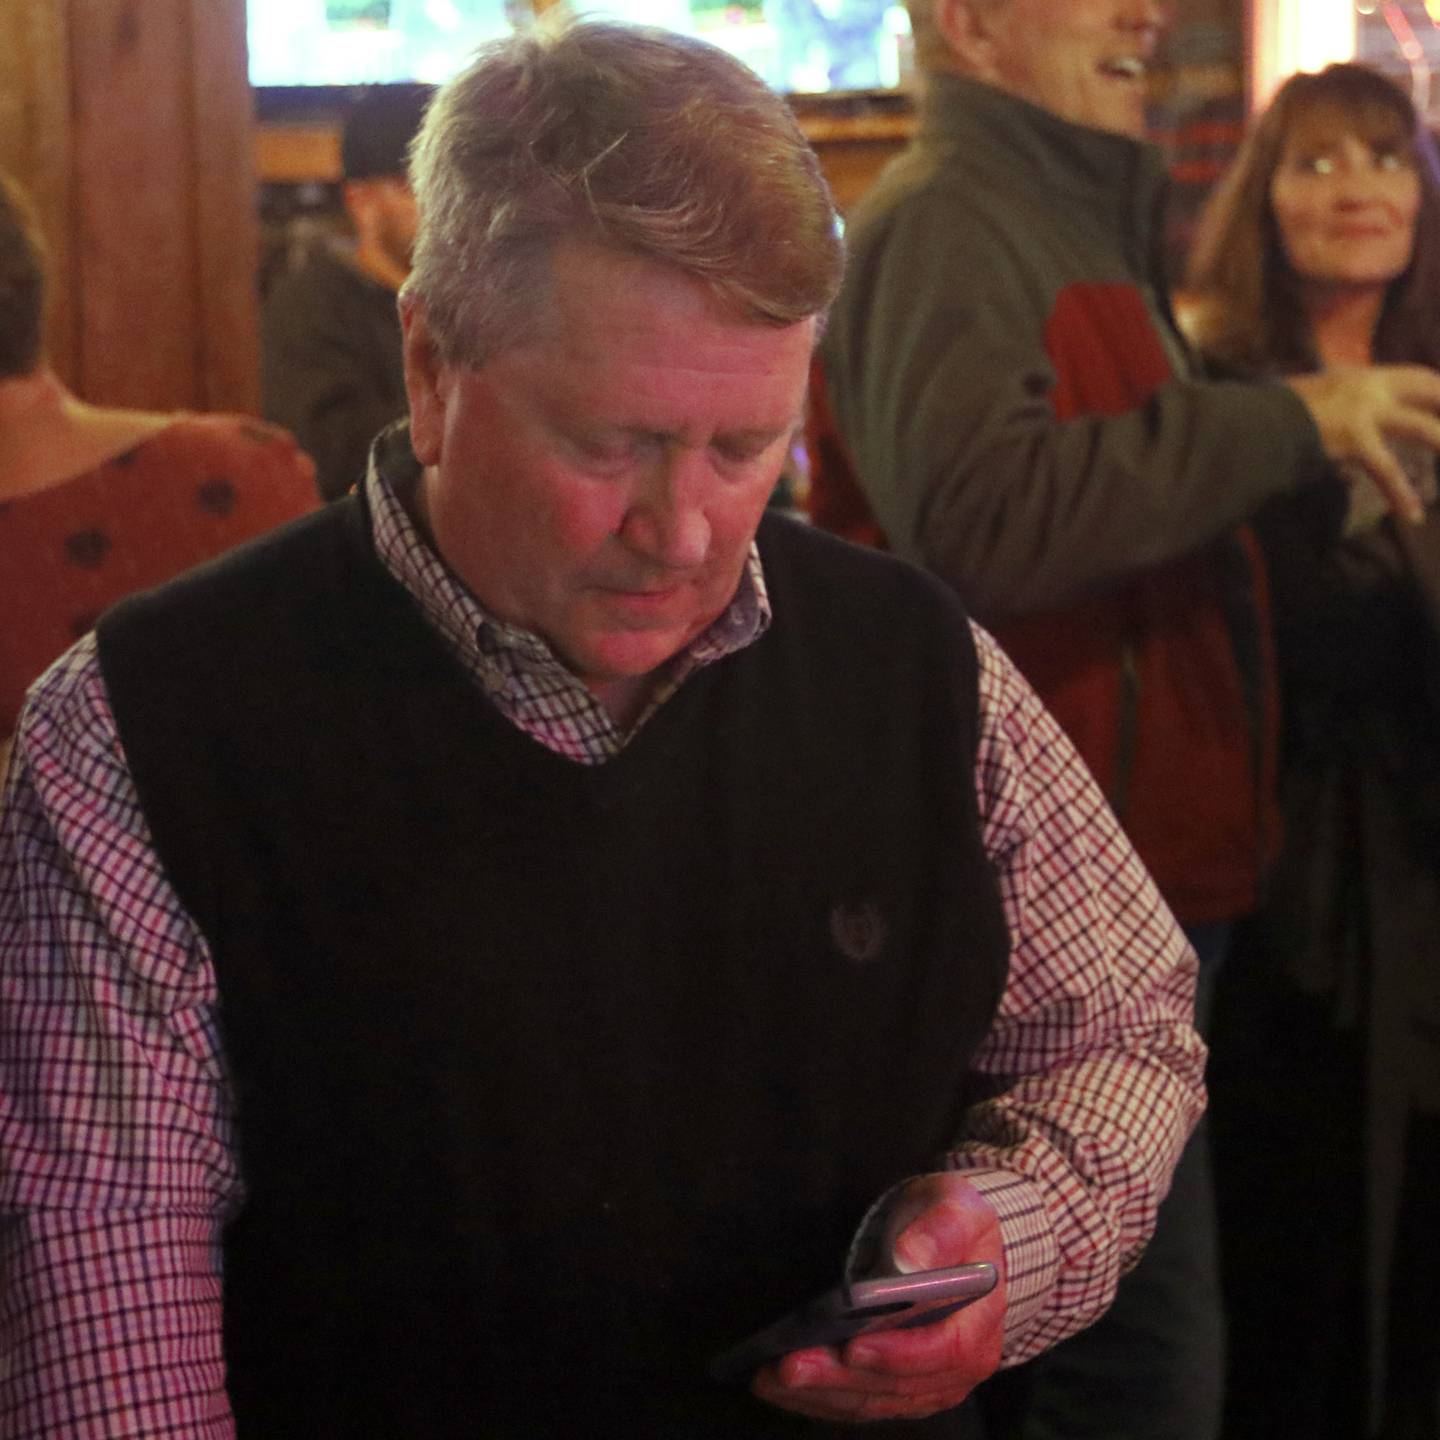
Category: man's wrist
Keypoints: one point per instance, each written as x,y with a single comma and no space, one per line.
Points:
1032,1256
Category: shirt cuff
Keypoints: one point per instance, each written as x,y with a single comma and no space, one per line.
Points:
1032,1257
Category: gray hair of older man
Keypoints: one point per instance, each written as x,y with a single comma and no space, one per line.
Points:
22,283
637,139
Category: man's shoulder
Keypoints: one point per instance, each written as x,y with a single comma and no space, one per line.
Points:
820,570
792,541
246,587
921,176
863,626
236,637
69,695
935,201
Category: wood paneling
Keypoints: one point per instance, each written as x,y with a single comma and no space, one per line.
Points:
227,230
134,178
131,125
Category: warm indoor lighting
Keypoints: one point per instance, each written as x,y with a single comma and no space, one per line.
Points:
1291,35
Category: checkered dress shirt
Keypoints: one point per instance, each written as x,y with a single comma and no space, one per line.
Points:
117,1158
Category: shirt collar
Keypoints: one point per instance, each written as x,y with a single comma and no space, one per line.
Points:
480,640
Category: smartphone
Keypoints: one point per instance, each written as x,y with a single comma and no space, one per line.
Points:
888,1302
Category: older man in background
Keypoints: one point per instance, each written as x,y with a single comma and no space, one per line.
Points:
1002,396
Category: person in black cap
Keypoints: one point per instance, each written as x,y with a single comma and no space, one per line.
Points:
330,332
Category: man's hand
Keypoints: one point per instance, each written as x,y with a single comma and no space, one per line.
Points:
937,1220
1356,409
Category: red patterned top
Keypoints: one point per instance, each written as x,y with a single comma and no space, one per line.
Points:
183,494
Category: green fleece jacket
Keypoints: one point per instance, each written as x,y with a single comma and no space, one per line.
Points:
1003,381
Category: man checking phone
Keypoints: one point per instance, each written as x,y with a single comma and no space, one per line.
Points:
685,910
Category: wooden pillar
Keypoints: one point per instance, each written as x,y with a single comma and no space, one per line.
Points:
130,122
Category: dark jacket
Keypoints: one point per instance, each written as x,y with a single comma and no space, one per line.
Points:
1329,1041
331,364
1002,374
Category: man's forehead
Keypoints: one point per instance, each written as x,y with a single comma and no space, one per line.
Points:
601,292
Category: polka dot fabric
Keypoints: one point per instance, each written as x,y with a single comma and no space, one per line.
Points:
187,493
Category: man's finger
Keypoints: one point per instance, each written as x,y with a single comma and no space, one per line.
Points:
847,1394
829,1369
965,1344
833,1406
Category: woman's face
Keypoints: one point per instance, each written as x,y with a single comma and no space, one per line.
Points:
1346,207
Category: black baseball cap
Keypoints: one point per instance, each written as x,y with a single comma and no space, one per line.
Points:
377,131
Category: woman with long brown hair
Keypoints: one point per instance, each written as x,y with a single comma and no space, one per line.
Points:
1320,250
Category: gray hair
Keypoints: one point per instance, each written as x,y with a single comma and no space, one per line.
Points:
638,139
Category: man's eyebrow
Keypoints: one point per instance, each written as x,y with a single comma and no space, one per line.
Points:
761,433
747,435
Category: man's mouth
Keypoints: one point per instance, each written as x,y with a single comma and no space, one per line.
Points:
643,594
1124,67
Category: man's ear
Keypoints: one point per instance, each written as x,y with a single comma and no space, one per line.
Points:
966,27
425,375
358,197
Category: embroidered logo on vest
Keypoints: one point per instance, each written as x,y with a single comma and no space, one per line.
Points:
859,931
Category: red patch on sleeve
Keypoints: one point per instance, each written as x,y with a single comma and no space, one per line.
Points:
1107,356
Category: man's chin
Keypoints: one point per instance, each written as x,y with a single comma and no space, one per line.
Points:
635,654
624,655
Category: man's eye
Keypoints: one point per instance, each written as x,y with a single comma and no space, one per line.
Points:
743,452
595,450
1318,164
739,454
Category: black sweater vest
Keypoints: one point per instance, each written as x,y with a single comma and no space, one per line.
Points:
555,1080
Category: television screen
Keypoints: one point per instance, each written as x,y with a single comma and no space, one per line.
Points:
368,42
802,46
805,46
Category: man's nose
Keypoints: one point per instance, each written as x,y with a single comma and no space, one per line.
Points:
667,521
1145,15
